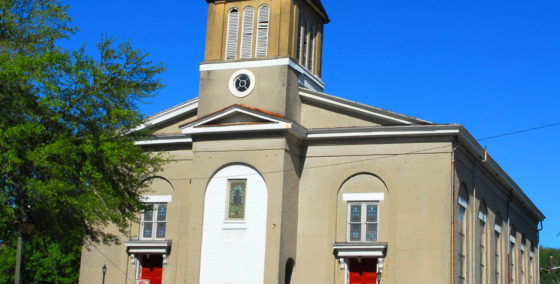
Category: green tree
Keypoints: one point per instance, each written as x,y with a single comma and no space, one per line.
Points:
545,254
47,261
66,131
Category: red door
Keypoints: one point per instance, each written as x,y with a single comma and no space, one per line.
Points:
152,268
363,271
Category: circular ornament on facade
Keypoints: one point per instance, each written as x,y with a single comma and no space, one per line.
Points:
242,83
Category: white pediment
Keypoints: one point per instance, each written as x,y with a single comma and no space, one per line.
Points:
239,118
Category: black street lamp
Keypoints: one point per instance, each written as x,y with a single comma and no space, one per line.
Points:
104,270
25,229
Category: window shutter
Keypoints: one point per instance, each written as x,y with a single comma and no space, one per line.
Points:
262,31
232,30
247,33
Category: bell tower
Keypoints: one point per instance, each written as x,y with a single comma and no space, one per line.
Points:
259,52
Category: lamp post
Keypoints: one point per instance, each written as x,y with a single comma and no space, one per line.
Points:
25,229
104,270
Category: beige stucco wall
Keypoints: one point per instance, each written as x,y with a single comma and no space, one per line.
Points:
275,91
306,214
177,172
319,117
417,194
480,186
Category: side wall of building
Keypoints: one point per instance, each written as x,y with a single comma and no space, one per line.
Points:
495,221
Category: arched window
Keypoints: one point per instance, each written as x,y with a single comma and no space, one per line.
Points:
482,218
512,255
262,31
498,249
247,33
462,203
289,270
522,262
305,49
301,32
305,45
232,34
312,33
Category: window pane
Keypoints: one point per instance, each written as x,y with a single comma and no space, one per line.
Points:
371,213
236,208
160,232
355,232
162,212
371,232
356,213
147,233
148,214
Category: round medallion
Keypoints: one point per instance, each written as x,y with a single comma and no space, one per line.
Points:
242,83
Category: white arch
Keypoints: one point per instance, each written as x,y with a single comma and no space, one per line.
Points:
233,251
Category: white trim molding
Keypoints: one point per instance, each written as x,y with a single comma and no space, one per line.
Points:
168,114
163,141
268,123
259,64
156,198
146,247
359,108
374,196
373,250
498,228
462,202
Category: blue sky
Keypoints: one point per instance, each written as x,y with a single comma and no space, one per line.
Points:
493,66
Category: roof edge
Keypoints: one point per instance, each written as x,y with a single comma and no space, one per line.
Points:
360,108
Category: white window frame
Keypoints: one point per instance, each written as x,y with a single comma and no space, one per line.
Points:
154,222
363,222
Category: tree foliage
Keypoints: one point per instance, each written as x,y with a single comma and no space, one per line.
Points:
66,129
545,254
46,261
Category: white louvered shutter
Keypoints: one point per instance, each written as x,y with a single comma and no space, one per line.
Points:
232,30
262,31
247,33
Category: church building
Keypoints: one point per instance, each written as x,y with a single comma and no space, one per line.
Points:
273,181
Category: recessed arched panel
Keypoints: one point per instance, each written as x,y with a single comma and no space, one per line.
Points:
234,227
159,185
364,191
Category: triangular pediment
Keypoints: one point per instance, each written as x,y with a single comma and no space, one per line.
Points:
237,118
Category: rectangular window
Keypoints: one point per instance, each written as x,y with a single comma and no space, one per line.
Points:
462,225
512,262
153,225
498,266
482,252
531,267
363,221
236,199
522,265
